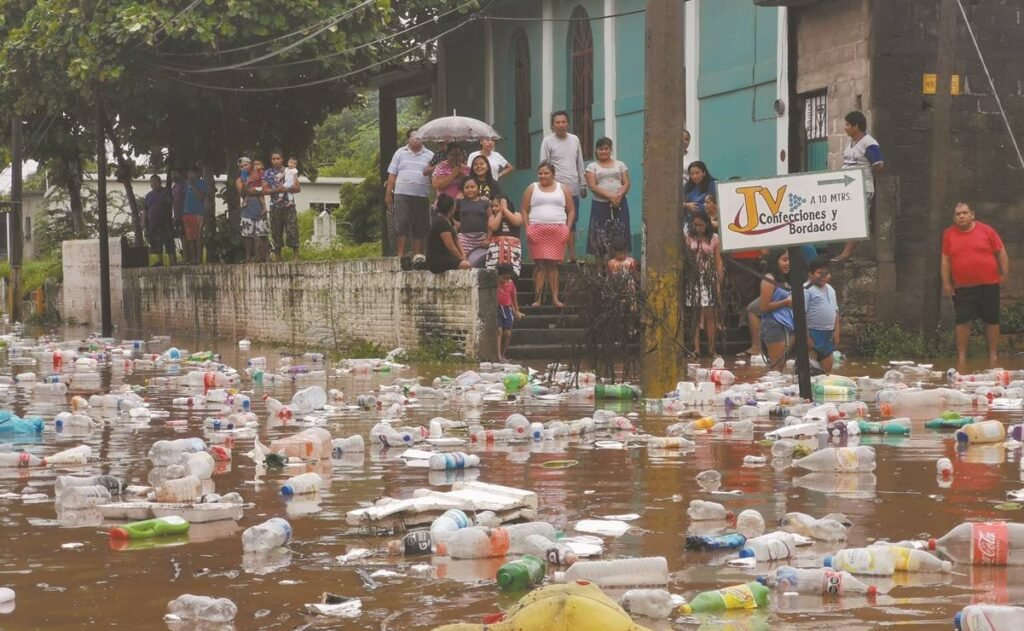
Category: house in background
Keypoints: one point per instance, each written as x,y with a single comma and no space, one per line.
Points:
528,58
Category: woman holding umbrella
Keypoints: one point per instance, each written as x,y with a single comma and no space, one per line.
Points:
547,211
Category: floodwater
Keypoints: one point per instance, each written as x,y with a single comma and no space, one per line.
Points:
65,587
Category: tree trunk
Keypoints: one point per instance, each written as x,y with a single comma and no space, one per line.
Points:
74,186
124,171
229,111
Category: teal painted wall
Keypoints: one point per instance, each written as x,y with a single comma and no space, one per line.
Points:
465,59
737,87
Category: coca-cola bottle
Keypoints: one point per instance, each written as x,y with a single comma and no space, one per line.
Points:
982,543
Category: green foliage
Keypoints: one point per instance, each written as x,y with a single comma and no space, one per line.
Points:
892,341
1012,318
224,243
434,348
35,273
364,349
56,224
360,210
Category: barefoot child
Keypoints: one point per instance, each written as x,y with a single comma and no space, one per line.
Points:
508,309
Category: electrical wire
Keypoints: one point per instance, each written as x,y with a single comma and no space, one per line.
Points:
169,22
497,18
281,51
340,52
991,83
315,82
212,53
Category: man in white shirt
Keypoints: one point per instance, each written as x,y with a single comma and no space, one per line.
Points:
408,191
499,165
564,152
863,151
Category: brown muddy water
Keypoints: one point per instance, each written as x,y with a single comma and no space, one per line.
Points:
69,587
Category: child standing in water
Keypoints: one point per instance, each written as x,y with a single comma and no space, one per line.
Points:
508,309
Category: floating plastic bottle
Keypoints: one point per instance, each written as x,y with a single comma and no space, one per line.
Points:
614,391
414,543
700,510
715,542
554,552
64,482
271,534
73,456
20,460
79,497
203,609
982,432
715,376
875,561
278,409
444,526
769,547
823,581
150,528
352,444
944,468
669,442
453,461
184,489
911,560
989,618
750,523
752,595
522,574
475,542
982,543
839,459
892,426
302,484
618,573
514,382
167,452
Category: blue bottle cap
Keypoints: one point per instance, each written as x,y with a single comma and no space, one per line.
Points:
958,620
961,436
287,490
828,561
762,580
747,553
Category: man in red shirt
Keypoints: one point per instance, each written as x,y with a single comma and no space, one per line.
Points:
974,265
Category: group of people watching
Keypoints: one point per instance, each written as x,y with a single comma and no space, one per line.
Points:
267,200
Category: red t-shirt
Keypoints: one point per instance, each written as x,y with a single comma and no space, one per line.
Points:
972,254
506,293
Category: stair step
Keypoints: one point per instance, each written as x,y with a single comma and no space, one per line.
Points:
536,351
555,338
569,310
543,321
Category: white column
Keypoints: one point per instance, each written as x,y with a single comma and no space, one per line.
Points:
610,120
488,73
692,63
547,63
782,123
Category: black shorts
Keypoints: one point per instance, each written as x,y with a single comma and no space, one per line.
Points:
980,301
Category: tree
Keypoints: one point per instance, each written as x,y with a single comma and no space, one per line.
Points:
197,82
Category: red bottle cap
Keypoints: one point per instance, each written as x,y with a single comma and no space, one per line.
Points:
119,533
872,591
931,544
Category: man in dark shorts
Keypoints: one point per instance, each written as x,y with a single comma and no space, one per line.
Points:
974,265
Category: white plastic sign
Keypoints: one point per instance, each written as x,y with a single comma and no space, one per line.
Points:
793,210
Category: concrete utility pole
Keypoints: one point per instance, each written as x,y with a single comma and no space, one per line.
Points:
17,238
665,120
939,209
101,205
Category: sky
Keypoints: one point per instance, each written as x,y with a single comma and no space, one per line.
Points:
5,177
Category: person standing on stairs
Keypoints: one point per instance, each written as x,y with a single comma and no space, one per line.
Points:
508,309
548,214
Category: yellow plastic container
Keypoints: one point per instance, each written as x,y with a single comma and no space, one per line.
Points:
570,607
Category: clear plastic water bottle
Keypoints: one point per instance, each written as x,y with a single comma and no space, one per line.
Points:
699,510
271,534
203,609
669,442
869,561
352,444
818,581
650,603
982,543
914,560
710,480
20,460
167,452
839,459
475,542
78,497
201,465
447,524
750,523
453,460
184,489
302,484
49,389
73,456
553,552
770,547
518,533
64,482
989,618
618,573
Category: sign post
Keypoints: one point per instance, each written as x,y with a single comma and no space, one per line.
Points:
791,211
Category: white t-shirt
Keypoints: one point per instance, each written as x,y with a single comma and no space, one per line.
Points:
547,207
609,178
863,153
498,162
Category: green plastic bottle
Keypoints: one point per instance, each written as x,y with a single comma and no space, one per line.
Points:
202,356
150,528
948,421
824,391
515,382
614,391
883,427
521,574
752,595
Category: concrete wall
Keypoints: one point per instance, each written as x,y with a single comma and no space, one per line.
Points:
324,305
81,262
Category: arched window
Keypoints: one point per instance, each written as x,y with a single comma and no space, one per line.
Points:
524,100
581,78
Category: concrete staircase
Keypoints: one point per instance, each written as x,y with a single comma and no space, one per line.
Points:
545,332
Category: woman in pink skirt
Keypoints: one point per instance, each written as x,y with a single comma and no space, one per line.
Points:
547,211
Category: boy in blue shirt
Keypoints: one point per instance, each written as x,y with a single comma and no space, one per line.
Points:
822,312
